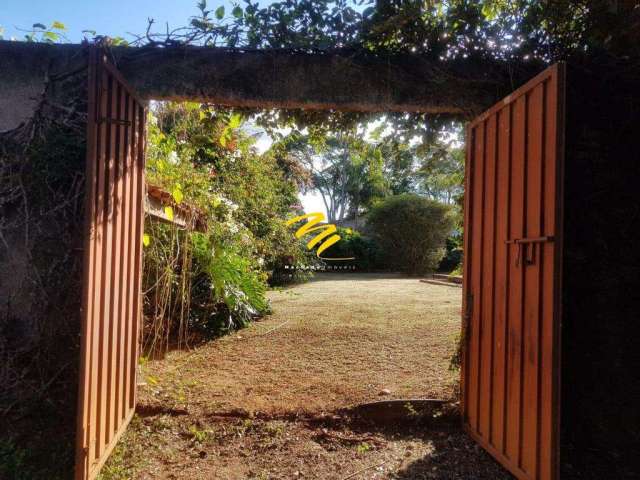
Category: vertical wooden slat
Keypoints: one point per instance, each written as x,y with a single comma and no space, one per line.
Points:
124,259
140,186
476,277
110,259
467,302
487,282
514,372
531,360
96,359
103,315
131,256
547,416
115,277
498,427
118,218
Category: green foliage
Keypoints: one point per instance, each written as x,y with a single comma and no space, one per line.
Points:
411,231
233,279
13,461
209,283
49,34
353,244
441,173
452,259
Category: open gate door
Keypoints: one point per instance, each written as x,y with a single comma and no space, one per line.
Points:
111,308
510,374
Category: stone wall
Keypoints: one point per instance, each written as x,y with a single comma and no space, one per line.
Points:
42,165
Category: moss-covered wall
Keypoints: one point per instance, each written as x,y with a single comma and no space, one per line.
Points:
42,164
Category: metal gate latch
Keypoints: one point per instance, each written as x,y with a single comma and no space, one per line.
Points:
527,248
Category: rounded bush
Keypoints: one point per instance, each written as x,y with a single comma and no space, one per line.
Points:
411,231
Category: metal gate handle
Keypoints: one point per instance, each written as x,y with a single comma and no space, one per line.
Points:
529,254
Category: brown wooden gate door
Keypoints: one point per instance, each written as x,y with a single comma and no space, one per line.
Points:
510,374
112,265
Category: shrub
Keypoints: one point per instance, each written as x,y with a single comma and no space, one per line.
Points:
411,231
365,250
452,259
209,283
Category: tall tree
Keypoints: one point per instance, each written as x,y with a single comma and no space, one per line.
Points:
441,173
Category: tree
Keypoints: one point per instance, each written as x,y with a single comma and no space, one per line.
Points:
411,230
347,171
441,172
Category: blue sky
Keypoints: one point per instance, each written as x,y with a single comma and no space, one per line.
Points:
106,17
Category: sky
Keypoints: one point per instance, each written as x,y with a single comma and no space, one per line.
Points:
106,17
115,18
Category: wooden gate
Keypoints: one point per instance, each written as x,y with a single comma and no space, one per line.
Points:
510,374
112,264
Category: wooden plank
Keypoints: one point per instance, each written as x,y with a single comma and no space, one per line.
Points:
131,256
116,189
84,416
126,272
501,278
467,301
155,207
515,341
476,279
549,342
139,215
121,229
109,259
531,354
488,285
103,302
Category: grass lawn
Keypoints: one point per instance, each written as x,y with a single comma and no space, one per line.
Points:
268,402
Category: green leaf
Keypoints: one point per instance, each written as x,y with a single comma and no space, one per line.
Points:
216,201
177,194
119,41
58,25
489,10
220,12
168,211
39,26
235,121
146,240
51,36
223,139
237,12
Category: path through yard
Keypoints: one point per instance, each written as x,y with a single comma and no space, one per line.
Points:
268,402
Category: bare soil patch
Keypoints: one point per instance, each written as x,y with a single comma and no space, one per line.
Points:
272,401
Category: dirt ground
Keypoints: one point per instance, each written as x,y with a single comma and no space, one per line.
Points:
273,401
